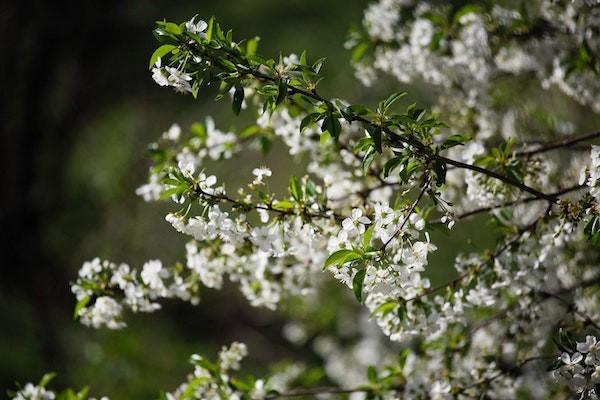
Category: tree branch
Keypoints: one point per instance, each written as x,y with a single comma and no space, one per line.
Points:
317,391
558,193
422,149
410,211
489,259
561,143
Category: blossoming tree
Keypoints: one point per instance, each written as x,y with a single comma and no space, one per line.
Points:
518,320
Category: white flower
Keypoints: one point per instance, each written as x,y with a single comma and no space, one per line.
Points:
151,191
355,224
263,238
230,357
187,161
384,215
259,391
591,346
260,173
105,311
153,274
440,391
206,182
158,74
33,392
179,80
173,133
196,27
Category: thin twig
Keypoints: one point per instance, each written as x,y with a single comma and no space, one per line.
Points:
317,391
561,143
476,211
410,211
489,259
236,203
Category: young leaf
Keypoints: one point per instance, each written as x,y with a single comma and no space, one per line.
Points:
392,99
340,257
295,189
47,378
385,308
252,46
357,283
367,236
282,92
238,99
159,53
455,140
210,29
80,306
372,374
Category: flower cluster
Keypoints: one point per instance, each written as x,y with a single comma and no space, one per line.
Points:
580,370
216,381
40,392
104,288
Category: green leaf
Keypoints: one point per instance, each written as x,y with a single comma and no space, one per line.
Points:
440,172
409,169
372,374
238,99
331,125
308,120
324,138
210,29
592,230
376,135
464,10
283,205
252,46
367,236
159,53
318,64
402,357
340,257
80,306
385,308
281,92
227,65
402,313
392,99
390,165
47,378
455,140
295,189
357,283
359,51
170,27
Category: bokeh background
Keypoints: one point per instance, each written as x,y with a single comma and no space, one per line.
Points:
78,108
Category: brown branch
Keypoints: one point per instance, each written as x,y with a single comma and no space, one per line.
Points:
317,391
409,140
558,193
268,207
516,367
410,211
505,179
588,320
561,143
